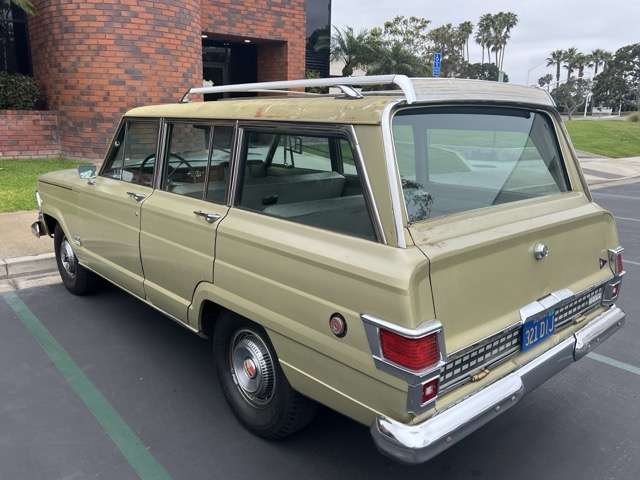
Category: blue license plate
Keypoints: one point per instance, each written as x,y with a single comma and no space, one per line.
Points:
536,330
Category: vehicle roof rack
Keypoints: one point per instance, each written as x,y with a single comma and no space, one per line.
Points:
345,84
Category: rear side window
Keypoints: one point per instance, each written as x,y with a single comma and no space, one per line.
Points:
455,159
302,178
187,156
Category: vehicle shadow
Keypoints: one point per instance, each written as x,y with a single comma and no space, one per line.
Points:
161,379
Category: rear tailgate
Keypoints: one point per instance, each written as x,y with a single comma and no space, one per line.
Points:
483,270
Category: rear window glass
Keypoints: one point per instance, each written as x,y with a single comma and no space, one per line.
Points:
455,159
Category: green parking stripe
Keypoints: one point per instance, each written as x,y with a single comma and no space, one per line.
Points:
140,459
614,363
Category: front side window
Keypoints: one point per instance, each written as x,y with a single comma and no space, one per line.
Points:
453,159
140,146
302,178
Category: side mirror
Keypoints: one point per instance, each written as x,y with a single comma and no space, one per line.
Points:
87,172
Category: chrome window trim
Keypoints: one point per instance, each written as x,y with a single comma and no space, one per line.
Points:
398,206
549,112
344,131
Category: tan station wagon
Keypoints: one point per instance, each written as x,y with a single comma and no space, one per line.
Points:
416,258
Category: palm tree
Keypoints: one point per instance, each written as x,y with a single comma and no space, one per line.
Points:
556,58
483,33
349,48
582,61
545,81
25,5
466,29
506,21
570,61
599,57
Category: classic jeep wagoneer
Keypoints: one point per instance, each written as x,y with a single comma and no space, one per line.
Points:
417,259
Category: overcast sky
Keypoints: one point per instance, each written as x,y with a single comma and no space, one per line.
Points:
544,25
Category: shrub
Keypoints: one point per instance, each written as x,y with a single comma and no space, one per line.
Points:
634,117
18,92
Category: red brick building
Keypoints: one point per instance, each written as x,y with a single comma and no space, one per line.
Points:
94,59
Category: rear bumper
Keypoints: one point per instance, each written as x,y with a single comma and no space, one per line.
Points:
421,442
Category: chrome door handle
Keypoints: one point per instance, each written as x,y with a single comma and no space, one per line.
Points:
209,217
138,197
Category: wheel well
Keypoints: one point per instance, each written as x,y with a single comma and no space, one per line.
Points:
209,314
50,222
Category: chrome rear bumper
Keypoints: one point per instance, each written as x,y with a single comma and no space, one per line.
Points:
421,442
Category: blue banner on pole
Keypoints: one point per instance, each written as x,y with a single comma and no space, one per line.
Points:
437,58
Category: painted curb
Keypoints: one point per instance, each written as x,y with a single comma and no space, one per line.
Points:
19,266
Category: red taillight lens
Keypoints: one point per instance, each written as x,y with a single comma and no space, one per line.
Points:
429,390
616,262
413,353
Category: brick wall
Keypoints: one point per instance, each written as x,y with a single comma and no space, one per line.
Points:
96,59
28,134
277,26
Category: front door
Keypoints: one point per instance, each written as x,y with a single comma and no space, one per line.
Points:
179,222
107,233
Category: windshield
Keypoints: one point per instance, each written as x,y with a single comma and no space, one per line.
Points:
453,159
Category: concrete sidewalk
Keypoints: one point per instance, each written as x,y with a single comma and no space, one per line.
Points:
602,171
24,259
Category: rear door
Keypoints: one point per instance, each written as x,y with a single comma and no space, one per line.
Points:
108,229
483,186
179,222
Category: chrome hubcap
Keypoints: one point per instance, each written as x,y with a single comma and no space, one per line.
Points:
252,368
68,258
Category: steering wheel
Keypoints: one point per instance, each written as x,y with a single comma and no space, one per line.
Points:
174,169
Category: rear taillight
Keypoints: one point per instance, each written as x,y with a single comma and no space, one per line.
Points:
413,353
616,262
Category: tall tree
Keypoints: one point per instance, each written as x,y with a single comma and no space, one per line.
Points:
570,61
483,34
412,32
618,86
465,29
582,61
446,39
599,57
556,58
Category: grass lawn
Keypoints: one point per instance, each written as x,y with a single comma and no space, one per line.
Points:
611,138
18,181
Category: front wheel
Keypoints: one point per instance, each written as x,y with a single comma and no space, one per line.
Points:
253,382
74,276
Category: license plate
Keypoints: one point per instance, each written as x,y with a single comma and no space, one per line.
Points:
536,330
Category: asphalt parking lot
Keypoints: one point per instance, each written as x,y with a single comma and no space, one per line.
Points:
105,387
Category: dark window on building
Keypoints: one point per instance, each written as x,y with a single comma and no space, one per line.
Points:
318,14
15,56
225,63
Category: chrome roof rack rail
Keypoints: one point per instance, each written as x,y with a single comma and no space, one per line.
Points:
343,83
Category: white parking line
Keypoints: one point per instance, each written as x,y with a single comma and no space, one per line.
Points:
614,363
637,264
628,219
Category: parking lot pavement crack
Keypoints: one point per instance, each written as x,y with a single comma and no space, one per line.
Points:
122,435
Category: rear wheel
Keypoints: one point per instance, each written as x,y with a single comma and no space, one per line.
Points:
74,276
253,382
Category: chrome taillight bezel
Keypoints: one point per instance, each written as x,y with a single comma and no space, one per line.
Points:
414,378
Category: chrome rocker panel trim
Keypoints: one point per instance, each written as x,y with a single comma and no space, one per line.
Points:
419,443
